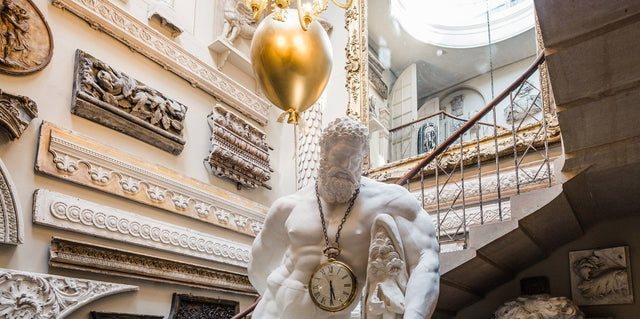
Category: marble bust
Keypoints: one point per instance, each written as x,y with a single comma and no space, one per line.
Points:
379,230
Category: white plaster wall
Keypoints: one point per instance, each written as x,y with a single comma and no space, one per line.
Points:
51,89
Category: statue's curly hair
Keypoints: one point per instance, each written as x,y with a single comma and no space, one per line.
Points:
345,127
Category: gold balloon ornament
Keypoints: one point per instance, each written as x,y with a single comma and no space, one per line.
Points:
292,65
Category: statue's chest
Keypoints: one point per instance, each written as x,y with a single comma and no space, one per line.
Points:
304,227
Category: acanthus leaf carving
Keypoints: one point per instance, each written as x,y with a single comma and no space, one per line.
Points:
16,112
43,296
11,226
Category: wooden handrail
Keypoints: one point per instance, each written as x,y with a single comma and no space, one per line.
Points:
247,311
472,121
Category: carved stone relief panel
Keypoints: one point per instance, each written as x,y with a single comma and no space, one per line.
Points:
116,22
11,226
69,254
601,276
26,45
44,296
16,112
112,98
115,315
539,306
198,307
238,150
74,214
238,21
84,161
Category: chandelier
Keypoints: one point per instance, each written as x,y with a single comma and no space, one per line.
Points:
307,13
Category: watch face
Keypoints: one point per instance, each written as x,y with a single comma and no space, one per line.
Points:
333,286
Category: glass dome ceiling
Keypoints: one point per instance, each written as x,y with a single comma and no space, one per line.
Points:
463,23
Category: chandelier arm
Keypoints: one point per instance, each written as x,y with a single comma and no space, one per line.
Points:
343,6
303,21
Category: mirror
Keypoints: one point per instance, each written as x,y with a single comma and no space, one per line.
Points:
427,66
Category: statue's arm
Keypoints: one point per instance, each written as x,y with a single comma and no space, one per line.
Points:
421,253
270,245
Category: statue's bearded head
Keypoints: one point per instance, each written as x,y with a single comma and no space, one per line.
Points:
344,144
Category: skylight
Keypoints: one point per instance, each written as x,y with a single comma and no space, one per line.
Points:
462,23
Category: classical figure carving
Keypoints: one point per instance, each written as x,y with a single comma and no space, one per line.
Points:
601,276
34,295
238,21
11,226
305,262
25,39
16,112
114,99
540,307
238,150
70,254
198,307
137,35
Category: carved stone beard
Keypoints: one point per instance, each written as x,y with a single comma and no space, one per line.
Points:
336,189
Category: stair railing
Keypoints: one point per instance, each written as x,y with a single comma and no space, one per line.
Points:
462,198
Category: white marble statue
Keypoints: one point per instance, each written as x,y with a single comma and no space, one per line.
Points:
312,257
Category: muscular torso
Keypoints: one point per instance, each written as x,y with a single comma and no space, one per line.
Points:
304,250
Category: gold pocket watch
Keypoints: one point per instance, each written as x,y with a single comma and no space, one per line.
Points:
333,286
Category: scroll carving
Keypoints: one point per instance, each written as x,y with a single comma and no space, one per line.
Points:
238,150
77,159
112,98
26,45
357,61
71,213
114,21
76,255
34,295
16,112
11,226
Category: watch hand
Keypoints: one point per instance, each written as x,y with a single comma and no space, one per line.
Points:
332,295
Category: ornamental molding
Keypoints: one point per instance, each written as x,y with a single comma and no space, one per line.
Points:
43,296
238,150
81,160
74,214
69,254
308,154
116,22
357,61
11,225
16,112
116,100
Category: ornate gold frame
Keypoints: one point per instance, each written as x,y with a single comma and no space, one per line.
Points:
357,63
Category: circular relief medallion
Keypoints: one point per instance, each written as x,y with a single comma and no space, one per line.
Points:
26,45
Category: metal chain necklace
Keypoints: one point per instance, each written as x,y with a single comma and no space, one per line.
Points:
330,251
333,285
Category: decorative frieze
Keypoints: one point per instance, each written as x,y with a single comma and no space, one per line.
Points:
199,307
356,61
77,255
74,214
43,296
11,227
16,112
116,22
238,150
26,45
84,161
112,98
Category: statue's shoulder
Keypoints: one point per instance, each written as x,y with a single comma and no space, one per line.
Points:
394,198
288,202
